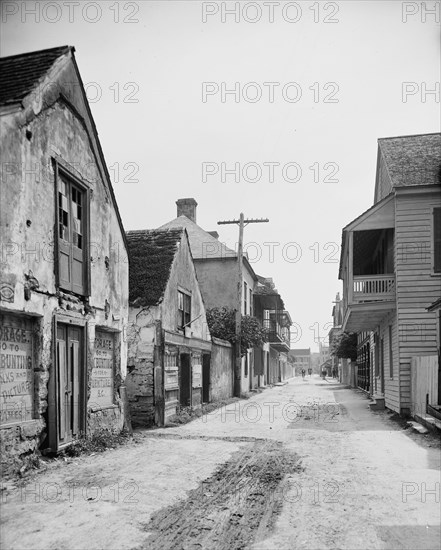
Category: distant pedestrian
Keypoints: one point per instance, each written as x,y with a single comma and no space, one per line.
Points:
303,373
310,371
324,373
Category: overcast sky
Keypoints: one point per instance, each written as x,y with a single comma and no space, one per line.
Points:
316,85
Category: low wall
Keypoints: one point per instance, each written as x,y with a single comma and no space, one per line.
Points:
221,370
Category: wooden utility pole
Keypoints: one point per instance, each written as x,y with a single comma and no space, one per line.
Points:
238,358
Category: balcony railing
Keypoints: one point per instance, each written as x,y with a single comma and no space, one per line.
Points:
276,333
373,288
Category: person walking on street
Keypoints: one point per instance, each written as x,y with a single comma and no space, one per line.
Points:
303,373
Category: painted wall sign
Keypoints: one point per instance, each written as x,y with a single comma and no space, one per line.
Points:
101,391
16,369
197,376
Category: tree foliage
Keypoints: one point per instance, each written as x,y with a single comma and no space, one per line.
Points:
222,324
345,346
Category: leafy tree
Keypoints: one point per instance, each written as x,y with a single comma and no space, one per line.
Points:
345,346
222,324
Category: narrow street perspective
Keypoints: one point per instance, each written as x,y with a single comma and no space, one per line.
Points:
220,275
302,465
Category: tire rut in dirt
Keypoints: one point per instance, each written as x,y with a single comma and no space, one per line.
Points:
234,507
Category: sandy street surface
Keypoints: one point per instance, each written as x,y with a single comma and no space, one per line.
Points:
305,465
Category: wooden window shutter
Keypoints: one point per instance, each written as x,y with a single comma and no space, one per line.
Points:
72,234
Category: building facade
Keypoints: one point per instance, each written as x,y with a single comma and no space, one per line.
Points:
342,366
301,359
169,342
270,310
64,271
391,269
217,274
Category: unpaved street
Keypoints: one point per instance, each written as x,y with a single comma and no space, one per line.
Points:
305,465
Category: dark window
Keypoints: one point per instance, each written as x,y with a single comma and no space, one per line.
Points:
72,241
245,298
184,309
437,240
251,301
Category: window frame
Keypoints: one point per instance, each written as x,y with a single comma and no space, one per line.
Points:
61,171
183,318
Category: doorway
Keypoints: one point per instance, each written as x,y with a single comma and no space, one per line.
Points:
185,386
69,384
205,378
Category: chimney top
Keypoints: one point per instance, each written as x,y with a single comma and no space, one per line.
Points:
214,234
187,207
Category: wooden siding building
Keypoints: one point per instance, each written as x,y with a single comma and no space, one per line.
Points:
391,267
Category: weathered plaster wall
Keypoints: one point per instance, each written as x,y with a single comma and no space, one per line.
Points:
218,281
49,129
141,334
183,276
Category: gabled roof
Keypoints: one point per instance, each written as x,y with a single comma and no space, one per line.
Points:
20,74
412,160
203,245
151,255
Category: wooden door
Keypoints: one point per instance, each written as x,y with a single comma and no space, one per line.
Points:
69,387
185,379
205,378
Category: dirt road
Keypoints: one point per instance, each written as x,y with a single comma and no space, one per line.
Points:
306,465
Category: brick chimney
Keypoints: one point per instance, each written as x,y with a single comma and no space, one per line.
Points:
187,207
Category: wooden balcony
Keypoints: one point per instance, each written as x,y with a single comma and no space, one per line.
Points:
278,336
368,299
373,288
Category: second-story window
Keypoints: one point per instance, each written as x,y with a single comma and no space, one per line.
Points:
184,310
245,298
251,301
72,235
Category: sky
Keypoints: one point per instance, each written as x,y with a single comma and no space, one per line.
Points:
272,109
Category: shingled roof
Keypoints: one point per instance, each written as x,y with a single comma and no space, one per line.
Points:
20,74
412,160
151,255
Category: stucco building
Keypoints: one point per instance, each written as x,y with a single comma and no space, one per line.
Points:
217,274
64,271
169,342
